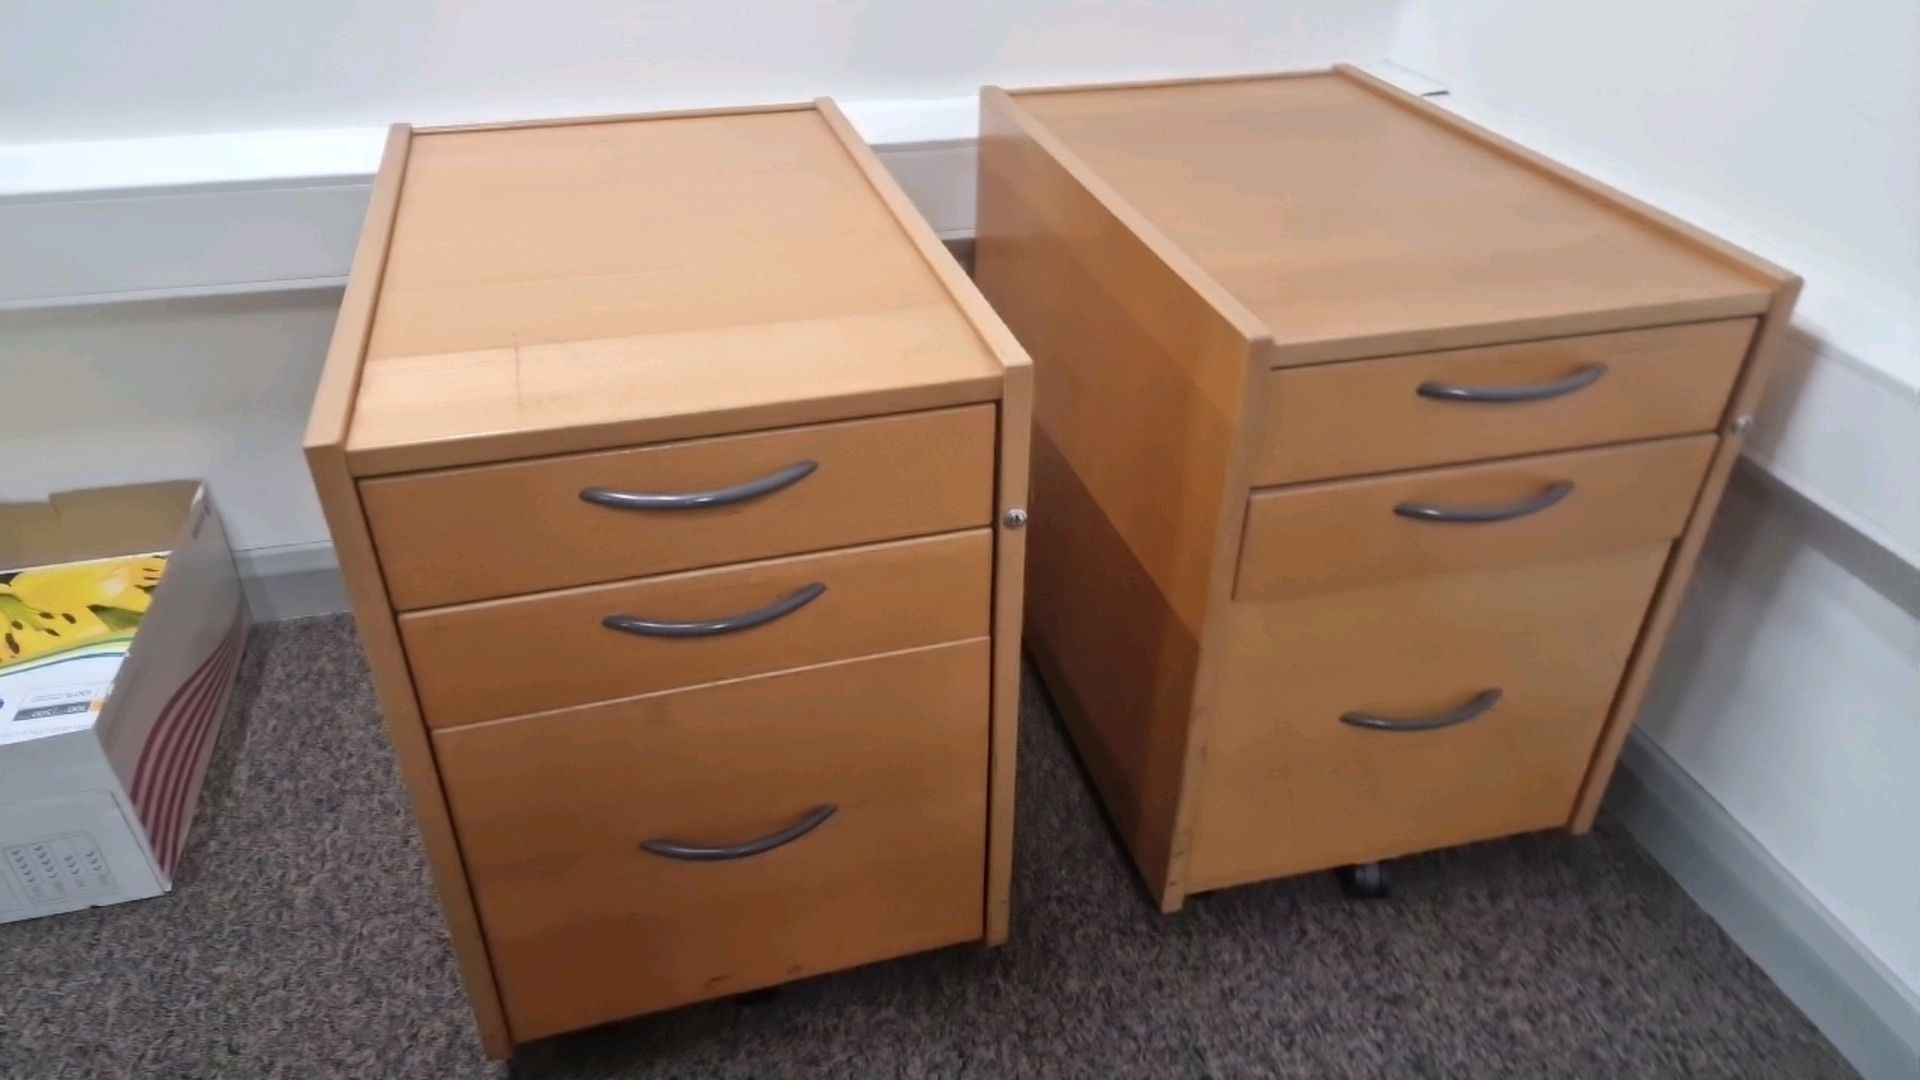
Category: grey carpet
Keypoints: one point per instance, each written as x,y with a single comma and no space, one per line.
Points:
303,941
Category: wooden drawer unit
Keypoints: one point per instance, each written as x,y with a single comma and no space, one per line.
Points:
664,849
677,474
1347,408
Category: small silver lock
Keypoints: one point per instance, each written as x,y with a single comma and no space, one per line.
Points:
1741,424
1016,518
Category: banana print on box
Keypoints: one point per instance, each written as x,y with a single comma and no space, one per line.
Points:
55,610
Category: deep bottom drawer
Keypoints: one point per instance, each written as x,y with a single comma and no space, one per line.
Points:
584,925
1306,768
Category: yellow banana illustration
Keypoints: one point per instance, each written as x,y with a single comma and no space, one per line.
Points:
115,583
43,612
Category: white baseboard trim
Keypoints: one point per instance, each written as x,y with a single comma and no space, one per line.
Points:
292,582
1853,999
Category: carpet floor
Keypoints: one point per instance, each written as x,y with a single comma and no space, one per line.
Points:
303,940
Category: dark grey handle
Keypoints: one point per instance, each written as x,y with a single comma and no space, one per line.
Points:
673,849
700,500
1499,395
1485,700
633,624
1482,515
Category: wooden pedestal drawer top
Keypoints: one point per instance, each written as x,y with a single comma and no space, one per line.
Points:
852,797
454,535
564,286
1352,221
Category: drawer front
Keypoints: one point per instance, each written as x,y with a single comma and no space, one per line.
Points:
1344,533
584,925
500,658
500,530
1296,782
1372,416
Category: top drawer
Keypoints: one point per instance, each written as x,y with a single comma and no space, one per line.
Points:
497,530
1373,416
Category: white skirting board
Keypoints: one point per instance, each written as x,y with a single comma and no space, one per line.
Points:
1854,1000
292,582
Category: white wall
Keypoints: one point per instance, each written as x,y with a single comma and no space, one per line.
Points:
1791,692
216,388
132,67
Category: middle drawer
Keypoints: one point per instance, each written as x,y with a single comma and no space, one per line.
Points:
501,658
1318,537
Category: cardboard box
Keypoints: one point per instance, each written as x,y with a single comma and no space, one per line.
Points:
104,742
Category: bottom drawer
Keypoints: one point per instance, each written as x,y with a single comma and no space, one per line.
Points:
585,925
1361,725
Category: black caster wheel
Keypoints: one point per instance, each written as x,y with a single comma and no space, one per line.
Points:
1365,881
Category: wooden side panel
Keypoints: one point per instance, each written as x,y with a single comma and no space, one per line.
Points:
379,637
1010,546
1686,552
1141,387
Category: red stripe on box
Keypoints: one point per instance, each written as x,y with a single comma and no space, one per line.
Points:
167,730
173,818
179,732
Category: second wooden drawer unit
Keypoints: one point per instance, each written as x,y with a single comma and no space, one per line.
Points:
1371,457
677,474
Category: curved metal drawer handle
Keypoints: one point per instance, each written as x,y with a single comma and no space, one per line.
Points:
700,500
673,849
1482,702
1499,395
633,624
1455,515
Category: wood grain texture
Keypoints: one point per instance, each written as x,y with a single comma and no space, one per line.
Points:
366,588
1290,788
500,658
1342,533
1129,552
1010,544
1686,553
1351,419
536,301
499,530
1409,239
587,928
